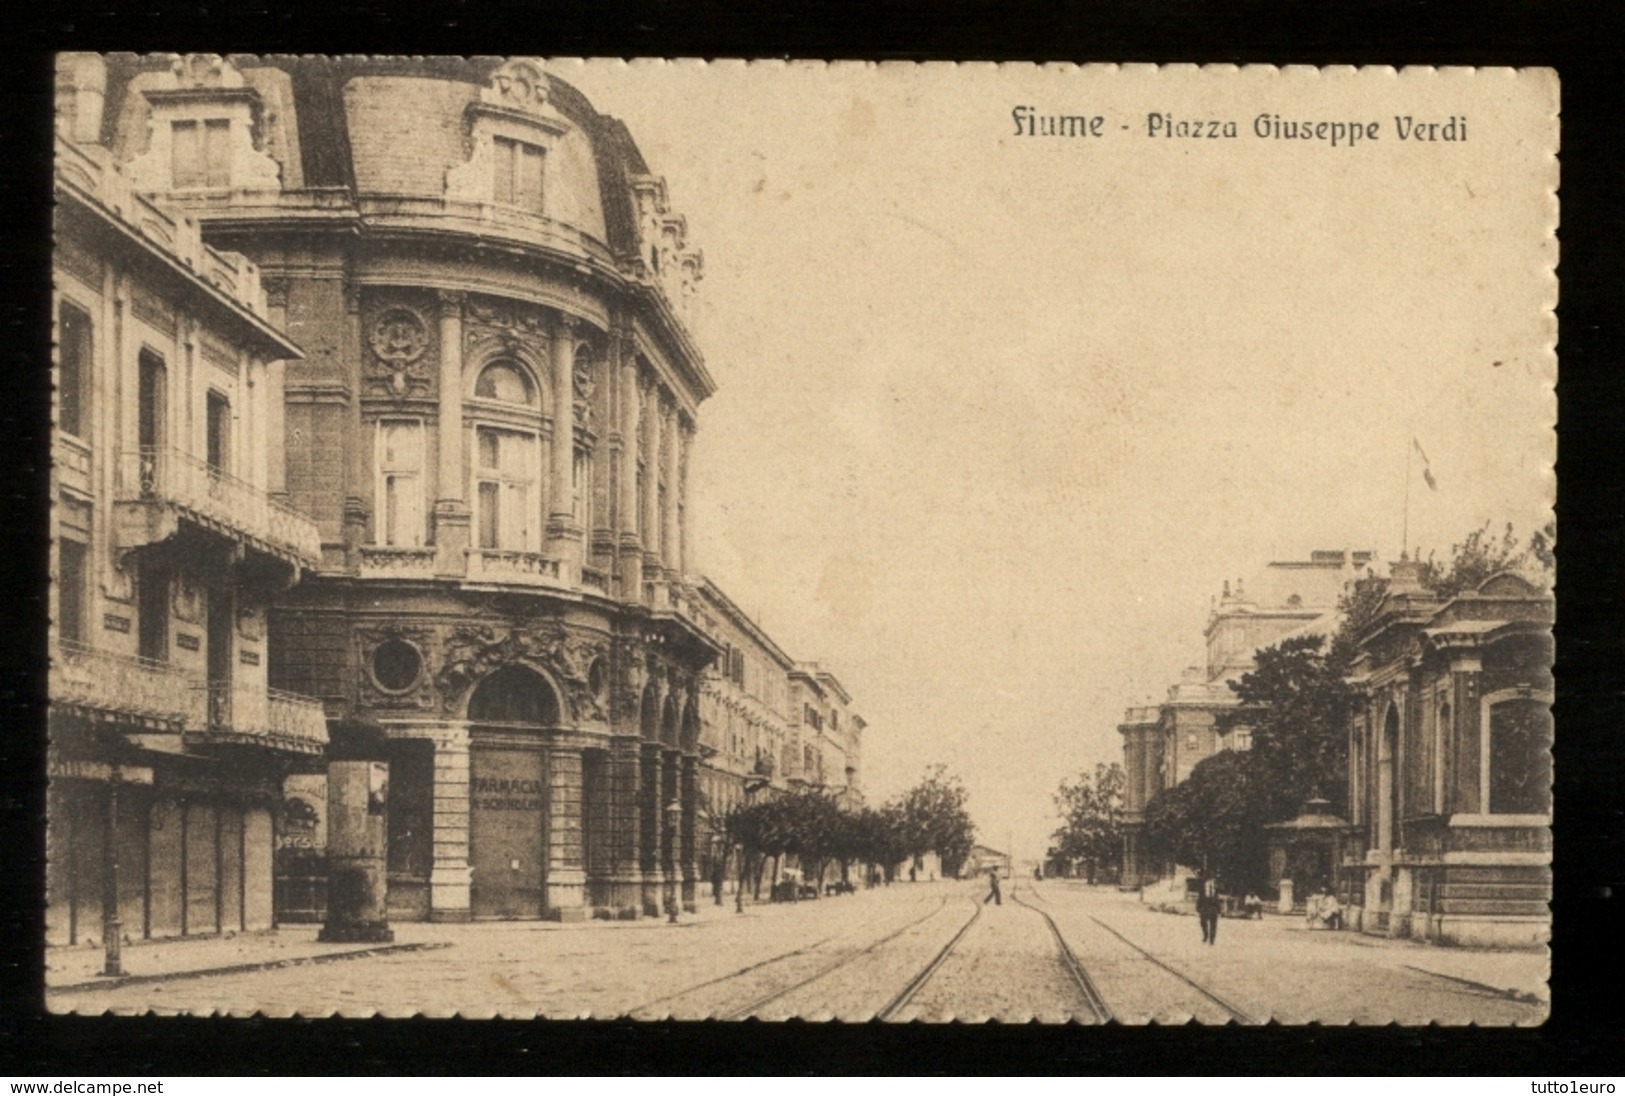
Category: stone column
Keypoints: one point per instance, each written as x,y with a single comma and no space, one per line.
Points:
626,857
689,797
563,536
451,514
357,469
649,522
449,880
669,550
670,837
566,875
684,514
630,546
649,826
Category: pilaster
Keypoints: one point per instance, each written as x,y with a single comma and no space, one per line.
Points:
649,826
626,857
451,514
450,878
566,873
689,798
563,535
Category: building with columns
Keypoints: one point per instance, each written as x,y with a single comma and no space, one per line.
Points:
1450,768
491,426
171,534
1162,743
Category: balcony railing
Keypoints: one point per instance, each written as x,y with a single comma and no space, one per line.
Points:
389,561
123,688
238,713
508,565
179,479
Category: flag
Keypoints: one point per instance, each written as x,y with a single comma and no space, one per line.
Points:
1427,469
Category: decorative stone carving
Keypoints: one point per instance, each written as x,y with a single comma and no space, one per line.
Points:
585,386
398,339
250,621
472,651
205,70
419,694
498,326
186,598
521,85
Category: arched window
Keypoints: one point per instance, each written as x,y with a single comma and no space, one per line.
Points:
506,468
514,694
1519,759
505,382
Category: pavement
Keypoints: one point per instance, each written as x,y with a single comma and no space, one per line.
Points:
715,962
79,967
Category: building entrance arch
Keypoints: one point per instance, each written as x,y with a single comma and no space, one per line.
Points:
509,714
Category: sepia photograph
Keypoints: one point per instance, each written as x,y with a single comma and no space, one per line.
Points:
581,538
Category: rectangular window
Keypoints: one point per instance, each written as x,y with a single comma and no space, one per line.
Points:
73,368
219,433
70,594
517,174
400,487
152,612
200,154
506,474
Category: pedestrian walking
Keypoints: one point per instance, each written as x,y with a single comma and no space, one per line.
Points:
993,894
1207,909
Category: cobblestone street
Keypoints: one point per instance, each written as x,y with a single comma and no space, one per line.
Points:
880,952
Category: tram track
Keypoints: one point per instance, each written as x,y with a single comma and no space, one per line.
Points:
851,957
1236,1012
1069,961
915,984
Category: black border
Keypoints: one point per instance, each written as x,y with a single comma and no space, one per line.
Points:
1582,40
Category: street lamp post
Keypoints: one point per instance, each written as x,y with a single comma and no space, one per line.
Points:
674,817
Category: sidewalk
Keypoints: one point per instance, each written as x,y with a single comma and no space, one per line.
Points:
1518,973
80,967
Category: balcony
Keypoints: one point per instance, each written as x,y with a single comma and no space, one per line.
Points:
380,561
509,566
249,716
124,689
156,487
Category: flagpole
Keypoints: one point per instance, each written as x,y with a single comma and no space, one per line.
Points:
1405,534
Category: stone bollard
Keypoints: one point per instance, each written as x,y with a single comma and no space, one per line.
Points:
357,832
1285,904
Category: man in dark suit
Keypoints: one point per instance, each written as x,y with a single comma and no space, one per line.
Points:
1207,908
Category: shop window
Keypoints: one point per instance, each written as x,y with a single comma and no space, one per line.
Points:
73,368
400,482
201,153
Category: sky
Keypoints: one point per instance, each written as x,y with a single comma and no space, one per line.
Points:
997,416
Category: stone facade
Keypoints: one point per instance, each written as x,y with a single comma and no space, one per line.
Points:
1450,765
171,538
1162,743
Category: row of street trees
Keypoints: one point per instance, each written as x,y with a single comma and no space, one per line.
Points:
1296,702
810,825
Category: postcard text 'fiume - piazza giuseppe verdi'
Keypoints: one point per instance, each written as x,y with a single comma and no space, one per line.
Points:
1030,121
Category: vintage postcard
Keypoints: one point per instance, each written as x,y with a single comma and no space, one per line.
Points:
574,538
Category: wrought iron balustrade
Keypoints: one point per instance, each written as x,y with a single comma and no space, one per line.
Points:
122,687
157,474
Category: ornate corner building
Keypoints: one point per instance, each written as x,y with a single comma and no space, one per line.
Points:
490,426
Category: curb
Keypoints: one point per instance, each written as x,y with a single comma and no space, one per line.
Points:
247,968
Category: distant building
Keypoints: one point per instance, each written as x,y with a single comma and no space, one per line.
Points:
171,533
982,860
1450,765
1162,743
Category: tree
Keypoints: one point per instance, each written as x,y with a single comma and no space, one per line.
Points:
1091,830
1482,554
934,819
1296,704
1213,820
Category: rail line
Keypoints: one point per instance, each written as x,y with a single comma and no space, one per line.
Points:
1236,1012
915,984
784,991
1069,961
